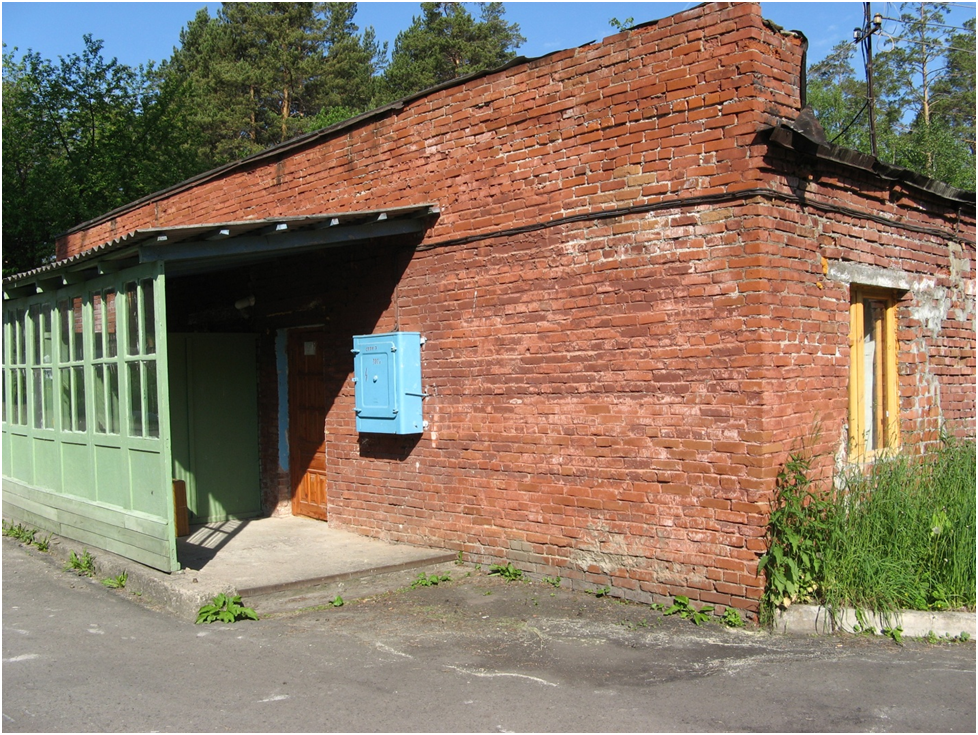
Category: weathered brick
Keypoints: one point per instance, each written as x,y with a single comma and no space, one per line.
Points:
605,389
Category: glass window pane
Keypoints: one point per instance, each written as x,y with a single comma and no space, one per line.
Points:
152,405
65,313
110,324
38,400
135,400
23,396
132,321
100,419
77,340
46,346
79,407
149,310
66,399
48,397
869,375
79,402
14,398
36,342
21,344
112,392
97,328
3,396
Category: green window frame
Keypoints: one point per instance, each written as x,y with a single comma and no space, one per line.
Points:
140,360
71,331
42,364
15,359
105,360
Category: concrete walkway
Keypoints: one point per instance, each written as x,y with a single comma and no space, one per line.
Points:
284,561
275,554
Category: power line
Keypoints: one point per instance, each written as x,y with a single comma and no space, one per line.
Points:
928,24
938,46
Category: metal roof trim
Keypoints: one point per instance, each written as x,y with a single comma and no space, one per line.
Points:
182,233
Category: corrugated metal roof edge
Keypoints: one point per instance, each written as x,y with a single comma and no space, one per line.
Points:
816,145
131,239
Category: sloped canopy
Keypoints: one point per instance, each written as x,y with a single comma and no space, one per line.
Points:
215,246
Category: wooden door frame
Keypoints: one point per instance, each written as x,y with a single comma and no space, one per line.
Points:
294,337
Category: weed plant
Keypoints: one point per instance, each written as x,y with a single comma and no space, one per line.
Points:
901,536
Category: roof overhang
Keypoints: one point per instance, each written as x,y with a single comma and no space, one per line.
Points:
806,136
194,249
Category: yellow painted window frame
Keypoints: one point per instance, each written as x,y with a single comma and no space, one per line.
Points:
887,388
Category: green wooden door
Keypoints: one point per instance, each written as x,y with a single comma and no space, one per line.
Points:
214,424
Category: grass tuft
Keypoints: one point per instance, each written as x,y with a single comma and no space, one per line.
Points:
901,536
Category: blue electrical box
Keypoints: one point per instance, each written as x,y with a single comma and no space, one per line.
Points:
387,374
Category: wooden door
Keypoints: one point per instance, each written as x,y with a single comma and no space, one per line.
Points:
307,422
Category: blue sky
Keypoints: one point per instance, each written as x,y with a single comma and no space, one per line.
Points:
139,32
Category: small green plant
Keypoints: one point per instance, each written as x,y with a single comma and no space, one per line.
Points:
83,565
552,581
16,532
964,637
27,536
731,618
796,530
458,559
337,601
226,609
507,572
894,634
117,583
932,637
600,592
862,626
682,607
430,580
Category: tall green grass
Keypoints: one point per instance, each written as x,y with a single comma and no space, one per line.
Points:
900,537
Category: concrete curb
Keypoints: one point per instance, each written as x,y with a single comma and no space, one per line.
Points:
817,620
182,594
178,593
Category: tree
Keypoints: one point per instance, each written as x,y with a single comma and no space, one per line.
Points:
925,97
81,137
839,98
954,93
262,72
928,82
445,43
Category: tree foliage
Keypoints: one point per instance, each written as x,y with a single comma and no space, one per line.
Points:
84,135
924,80
81,137
259,72
445,42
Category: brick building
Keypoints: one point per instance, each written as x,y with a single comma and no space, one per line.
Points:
642,278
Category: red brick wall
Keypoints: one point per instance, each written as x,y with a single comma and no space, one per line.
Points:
611,397
669,108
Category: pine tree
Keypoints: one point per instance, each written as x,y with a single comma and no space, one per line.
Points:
924,80
445,42
261,73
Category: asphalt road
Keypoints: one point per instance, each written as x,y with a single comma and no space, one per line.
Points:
478,654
